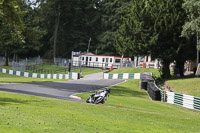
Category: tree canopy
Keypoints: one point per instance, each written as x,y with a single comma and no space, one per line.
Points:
192,24
153,28
163,29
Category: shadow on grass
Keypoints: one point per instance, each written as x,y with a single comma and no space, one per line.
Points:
184,77
160,82
4,101
124,91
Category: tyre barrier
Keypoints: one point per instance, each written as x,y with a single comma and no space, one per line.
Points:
122,76
153,91
183,100
147,83
145,78
70,75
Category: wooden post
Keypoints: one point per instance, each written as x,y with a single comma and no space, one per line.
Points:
164,96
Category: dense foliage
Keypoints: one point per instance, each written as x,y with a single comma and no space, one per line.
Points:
154,28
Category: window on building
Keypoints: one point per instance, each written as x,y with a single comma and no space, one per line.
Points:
90,58
82,58
117,60
141,59
103,59
110,59
106,59
96,58
147,57
151,60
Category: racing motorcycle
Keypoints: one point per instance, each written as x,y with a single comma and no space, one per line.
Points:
99,97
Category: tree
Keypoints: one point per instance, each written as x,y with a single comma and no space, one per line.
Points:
11,26
153,28
192,25
111,13
32,31
78,21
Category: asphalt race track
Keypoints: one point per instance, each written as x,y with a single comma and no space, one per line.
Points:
60,90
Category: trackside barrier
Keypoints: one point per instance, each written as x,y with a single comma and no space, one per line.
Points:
145,78
153,91
122,76
147,83
71,75
183,100
151,88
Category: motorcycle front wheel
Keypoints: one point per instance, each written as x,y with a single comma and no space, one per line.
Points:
99,100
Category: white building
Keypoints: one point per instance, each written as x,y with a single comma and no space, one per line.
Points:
146,62
98,61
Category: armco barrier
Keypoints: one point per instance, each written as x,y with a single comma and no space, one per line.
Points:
71,75
122,76
148,83
183,100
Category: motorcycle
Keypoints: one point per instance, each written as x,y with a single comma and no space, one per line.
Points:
99,97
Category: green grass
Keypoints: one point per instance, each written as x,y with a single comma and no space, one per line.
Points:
23,113
47,69
190,86
85,70
149,115
6,67
7,78
155,72
50,67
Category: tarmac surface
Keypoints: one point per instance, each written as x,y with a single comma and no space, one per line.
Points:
61,90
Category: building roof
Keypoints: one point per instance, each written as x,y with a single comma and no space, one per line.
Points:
91,54
99,56
102,55
83,53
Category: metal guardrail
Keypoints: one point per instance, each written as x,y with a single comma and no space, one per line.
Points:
122,76
183,100
70,75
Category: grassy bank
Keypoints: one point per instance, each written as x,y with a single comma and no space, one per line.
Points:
23,113
190,86
142,113
86,71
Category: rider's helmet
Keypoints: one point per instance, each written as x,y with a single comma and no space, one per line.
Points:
107,89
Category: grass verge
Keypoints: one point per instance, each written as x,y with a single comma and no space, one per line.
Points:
6,67
7,78
46,69
87,71
190,86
